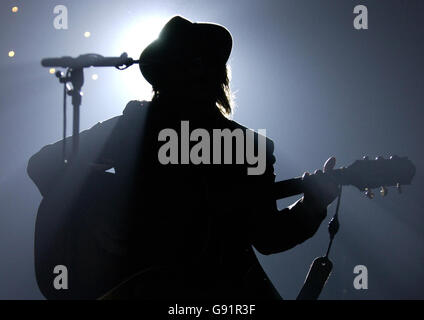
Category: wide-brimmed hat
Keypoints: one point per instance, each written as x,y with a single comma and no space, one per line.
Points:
181,42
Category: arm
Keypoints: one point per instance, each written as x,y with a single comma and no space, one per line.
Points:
282,230
274,231
46,167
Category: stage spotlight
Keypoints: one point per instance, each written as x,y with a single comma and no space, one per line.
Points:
15,9
138,35
52,70
133,39
87,34
94,77
11,53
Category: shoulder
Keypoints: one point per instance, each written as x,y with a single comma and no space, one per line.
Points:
133,110
258,134
118,128
135,107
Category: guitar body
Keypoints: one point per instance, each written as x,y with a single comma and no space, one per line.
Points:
81,228
87,225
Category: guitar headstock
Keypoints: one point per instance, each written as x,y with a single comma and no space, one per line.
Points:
380,173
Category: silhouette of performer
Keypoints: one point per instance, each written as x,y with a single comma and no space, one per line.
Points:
176,230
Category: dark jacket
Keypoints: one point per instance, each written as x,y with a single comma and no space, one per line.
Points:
181,230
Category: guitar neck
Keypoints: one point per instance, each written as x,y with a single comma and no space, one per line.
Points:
295,186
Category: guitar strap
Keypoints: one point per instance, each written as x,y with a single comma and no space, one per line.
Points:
321,267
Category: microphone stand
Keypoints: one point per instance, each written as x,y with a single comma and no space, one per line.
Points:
77,80
75,76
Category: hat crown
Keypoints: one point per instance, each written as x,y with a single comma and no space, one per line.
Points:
183,40
177,26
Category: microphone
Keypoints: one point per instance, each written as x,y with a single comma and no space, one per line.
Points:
89,60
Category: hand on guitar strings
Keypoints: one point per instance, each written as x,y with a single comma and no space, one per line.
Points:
321,189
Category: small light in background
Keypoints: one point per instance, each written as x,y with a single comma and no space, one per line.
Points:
87,34
94,77
11,53
52,70
15,9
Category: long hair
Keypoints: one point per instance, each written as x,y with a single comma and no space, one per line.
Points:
223,96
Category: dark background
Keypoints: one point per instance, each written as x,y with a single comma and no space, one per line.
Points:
300,70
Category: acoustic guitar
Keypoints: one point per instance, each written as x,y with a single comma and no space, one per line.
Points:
83,230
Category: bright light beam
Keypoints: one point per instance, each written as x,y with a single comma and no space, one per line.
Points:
135,38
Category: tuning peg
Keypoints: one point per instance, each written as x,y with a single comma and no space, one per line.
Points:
399,189
379,158
365,158
384,191
369,193
393,157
